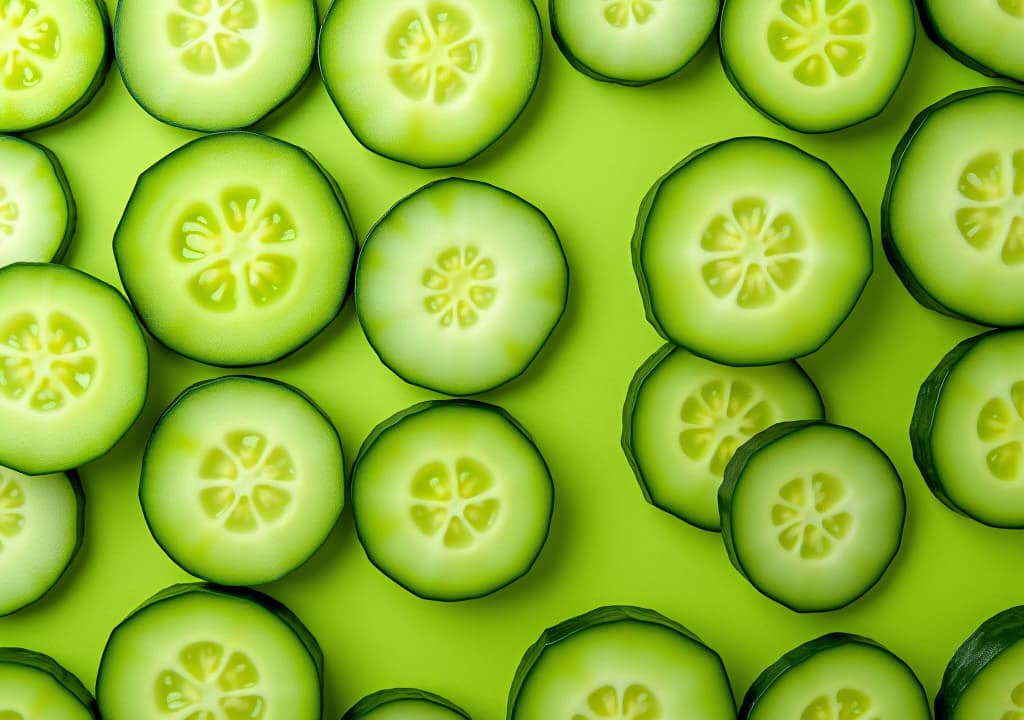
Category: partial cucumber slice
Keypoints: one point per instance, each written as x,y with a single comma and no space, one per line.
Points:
685,416
434,84
34,686
750,252
236,249
632,42
201,651
985,35
53,59
459,286
74,368
953,215
214,64
812,514
37,210
817,65
837,677
620,662
242,480
451,499
404,704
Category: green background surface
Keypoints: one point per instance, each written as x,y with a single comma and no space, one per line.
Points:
585,152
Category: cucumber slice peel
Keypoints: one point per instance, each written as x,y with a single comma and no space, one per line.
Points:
405,704
41,682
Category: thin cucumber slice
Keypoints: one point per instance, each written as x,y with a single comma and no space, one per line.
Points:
74,368
202,651
459,286
236,249
37,210
242,480
34,686
404,704
837,677
214,64
451,499
632,42
953,214
750,252
430,84
812,514
985,35
817,65
54,57
620,662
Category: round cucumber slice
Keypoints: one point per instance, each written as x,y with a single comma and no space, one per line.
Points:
236,249
817,65
242,480
35,686
953,215
451,499
214,64
632,42
620,662
459,286
685,416
37,210
431,84
201,651
54,57
74,368
750,252
404,704
812,514
837,677
985,35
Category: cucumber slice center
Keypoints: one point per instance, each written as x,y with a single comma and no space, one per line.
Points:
29,42
634,702
12,521
846,704
208,683
1000,428
627,13
809,516
718,418
991,215
459,286
9,210
455,502
1013,8
820,40
213,36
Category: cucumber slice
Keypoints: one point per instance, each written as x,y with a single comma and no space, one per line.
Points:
431,85
985,35
459,286
404,704
812,514
37,210
214,64
685,416
817,65
242,480
750,252
837,677
953,214
236,249
451,499
632,42
74,368
620,662
202,651
54,58
34,686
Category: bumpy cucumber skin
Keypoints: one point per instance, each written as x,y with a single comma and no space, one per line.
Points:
372,702
931,28
46,664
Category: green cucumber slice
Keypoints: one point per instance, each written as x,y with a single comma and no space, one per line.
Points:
812,514
404,704
985,35
685,416
632,42
37,210
750,252
34,686
74,368
451,499
432,84
817,65
953,214
53,60
837,677
202,651
214,64
236,249
620,662
242,480
459,286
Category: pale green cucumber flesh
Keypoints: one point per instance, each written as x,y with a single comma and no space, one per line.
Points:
984,35
33,685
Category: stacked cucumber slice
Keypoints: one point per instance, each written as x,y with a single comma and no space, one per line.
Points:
983,678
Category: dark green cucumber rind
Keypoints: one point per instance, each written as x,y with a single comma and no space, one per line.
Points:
372,702
931,28
734,474
387,215
69,199
992,638
46,664
398,417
